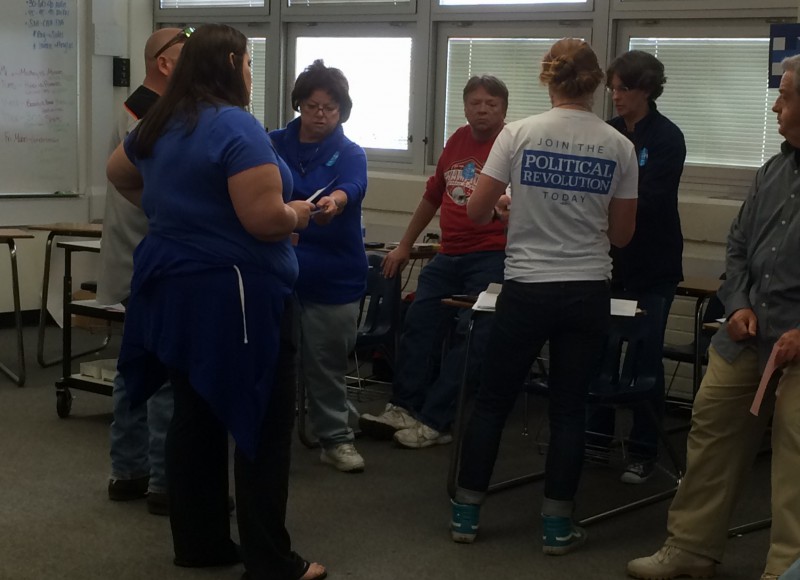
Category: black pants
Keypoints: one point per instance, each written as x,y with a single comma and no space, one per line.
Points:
574,317
197,472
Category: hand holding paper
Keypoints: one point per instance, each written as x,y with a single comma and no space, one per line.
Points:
317,193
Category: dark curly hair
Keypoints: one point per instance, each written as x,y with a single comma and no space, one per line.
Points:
639,70
316,77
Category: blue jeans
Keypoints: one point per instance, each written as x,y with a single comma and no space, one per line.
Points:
574,318
643,435
433,401
138,435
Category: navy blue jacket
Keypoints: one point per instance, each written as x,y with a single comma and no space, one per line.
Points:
655,254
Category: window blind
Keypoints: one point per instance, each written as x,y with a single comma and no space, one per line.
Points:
348,2
257,47
167,4
717,93
499,2
515,61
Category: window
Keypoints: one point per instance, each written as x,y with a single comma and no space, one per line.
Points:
717,93
379,72
257,47
170,4
515,61
340,2
499,2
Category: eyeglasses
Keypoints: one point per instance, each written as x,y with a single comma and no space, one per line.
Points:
180,37
314,108
620,89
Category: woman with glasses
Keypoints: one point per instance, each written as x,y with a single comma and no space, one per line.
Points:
652,263
209,306
331,171
573,186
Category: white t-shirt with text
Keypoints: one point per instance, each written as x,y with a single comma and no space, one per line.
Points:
564,167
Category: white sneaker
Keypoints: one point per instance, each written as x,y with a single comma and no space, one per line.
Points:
420,436
671,562
385,425
343,457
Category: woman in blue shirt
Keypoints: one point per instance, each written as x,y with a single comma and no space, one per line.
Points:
208,306
333,264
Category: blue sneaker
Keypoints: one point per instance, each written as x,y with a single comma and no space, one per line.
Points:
560,535
464,522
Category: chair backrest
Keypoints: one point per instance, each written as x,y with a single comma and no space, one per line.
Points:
380,306
632,354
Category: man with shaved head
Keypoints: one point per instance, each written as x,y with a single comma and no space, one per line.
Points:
137,434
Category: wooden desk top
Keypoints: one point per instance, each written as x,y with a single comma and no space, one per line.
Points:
698,287
418,251
85,246
13,233
70,229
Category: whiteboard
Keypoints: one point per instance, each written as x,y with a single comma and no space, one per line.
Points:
38,96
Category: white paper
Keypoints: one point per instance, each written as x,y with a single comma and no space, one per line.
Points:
488,298
621,307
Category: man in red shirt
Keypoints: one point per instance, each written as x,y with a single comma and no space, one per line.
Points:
421,409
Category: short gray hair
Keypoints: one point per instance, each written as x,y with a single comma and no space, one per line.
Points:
792,64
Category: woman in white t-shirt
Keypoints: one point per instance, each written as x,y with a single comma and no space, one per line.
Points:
574,184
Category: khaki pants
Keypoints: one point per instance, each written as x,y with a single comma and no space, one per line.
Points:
722,445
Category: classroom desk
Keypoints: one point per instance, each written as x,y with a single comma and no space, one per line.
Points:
8,237
87,308
701,289
459,424
76,230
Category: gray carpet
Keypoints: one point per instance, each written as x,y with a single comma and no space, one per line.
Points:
390,522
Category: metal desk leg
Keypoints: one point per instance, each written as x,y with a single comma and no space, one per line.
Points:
43,313
697,369
18,378
460,418
739,531
43,309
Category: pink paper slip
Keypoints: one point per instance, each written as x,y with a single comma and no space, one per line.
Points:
769,370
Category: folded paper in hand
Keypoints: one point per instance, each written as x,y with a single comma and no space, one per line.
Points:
488,299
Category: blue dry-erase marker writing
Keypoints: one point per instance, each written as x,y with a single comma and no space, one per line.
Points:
642,156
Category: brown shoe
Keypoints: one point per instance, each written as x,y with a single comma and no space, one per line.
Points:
768,576
671,562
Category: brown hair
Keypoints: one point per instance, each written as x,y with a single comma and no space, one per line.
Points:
494,86
570,68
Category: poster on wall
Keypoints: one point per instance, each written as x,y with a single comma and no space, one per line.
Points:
784,40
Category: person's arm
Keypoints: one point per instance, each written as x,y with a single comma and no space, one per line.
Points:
351,184
735,290
621,221
125,176
481,204
256,194
396,260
